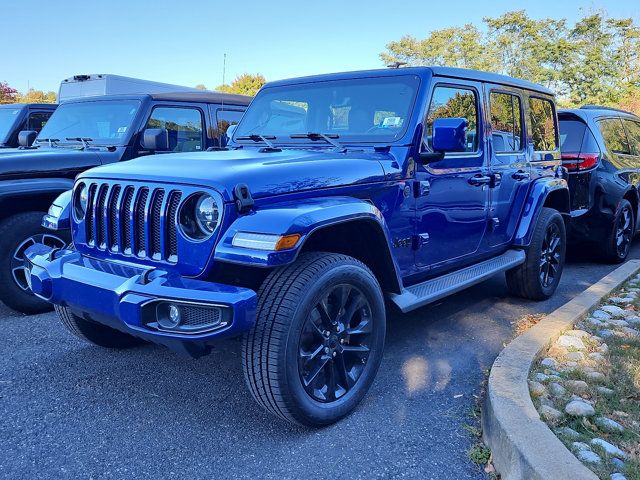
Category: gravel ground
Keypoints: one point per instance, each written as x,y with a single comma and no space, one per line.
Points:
71,410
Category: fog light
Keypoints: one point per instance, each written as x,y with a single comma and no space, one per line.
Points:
169,316
174,314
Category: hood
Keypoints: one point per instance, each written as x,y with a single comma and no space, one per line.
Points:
265,173
45,161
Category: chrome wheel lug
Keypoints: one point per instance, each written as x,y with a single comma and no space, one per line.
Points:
334,354
326,349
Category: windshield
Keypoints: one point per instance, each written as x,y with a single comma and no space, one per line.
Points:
354,110
8,117
105,122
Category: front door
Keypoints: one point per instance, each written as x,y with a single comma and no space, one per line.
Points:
510,165
451,207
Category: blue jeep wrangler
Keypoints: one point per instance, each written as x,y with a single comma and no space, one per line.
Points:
336,191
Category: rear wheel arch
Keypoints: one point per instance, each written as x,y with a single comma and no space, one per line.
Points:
558,200
33,202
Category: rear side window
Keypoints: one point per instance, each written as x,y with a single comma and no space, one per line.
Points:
614,135
183,124
571,135
506,122
454,102
542,125
37,120
633,134
224,119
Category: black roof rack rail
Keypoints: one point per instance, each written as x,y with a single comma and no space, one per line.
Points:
601,107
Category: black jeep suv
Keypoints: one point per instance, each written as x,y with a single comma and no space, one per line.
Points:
601,149
17,117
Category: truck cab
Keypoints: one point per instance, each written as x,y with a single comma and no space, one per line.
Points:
86,132
17,117
336,192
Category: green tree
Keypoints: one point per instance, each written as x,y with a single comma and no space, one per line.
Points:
245,84
36,96
201,86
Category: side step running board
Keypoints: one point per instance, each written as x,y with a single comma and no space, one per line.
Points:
434,289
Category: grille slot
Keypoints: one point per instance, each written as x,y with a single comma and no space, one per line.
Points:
141,206
194,317
133,220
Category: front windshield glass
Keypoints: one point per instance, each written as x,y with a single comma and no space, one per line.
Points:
355,110
8,117
106,122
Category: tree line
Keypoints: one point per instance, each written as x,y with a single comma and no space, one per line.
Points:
595,60
8,94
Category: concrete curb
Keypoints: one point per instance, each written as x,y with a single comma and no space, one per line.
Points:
522,445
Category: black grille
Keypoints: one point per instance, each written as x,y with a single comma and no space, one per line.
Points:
193,316
131,220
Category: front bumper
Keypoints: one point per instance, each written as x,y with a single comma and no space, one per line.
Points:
121,296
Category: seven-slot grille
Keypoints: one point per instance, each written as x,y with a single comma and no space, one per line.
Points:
133,220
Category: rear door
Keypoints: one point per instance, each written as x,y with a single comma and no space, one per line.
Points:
510,165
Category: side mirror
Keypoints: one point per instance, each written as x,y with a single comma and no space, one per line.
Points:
27,137
230,131
449,135
156,139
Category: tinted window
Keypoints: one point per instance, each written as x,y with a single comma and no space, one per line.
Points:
224,119
357,110
614,135
106,122
8,117
542,126
183,124
37,120
571,135
633,134
453,102
506,122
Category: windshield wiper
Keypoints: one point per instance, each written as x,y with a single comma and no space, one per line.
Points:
84,140
51,141
259,138
314,136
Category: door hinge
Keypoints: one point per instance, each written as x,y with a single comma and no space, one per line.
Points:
420,240
421,188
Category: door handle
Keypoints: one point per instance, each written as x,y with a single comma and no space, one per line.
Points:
479,180
521,175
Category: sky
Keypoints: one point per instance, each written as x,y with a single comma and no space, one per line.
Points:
184,43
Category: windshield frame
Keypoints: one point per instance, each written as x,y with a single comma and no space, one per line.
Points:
286,140
99,142
4,136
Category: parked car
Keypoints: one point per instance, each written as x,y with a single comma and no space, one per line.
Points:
338,190
84,133
16,117
601,149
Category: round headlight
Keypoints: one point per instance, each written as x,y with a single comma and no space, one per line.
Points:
206,214
81,201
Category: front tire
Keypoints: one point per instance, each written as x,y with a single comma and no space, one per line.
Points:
318,339
619,239
17,233
538,277
94,332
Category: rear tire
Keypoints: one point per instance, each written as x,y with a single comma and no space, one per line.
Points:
619,240
318,339
17,233
538,277
94,332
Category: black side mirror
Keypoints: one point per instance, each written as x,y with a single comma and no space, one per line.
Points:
156,139
449,135
27,137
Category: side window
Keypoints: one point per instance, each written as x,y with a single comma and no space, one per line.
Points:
454,102
224,119
615,137
183,124
633,134
542,125
506,122
37,120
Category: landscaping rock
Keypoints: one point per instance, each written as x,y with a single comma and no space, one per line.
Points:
577,385
630,332
550,414
618,323
601,315
609,448
577,333
619,464
621,300
597,357
568,341
579,408
581,446
596,376
605,391
604,348
613,310
536,389
569,433
608,425
541,377
575,356
635,320
618,476
557,390
549,362
588,456
594,322
607,333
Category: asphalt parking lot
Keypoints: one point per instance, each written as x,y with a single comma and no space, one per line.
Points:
71,410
